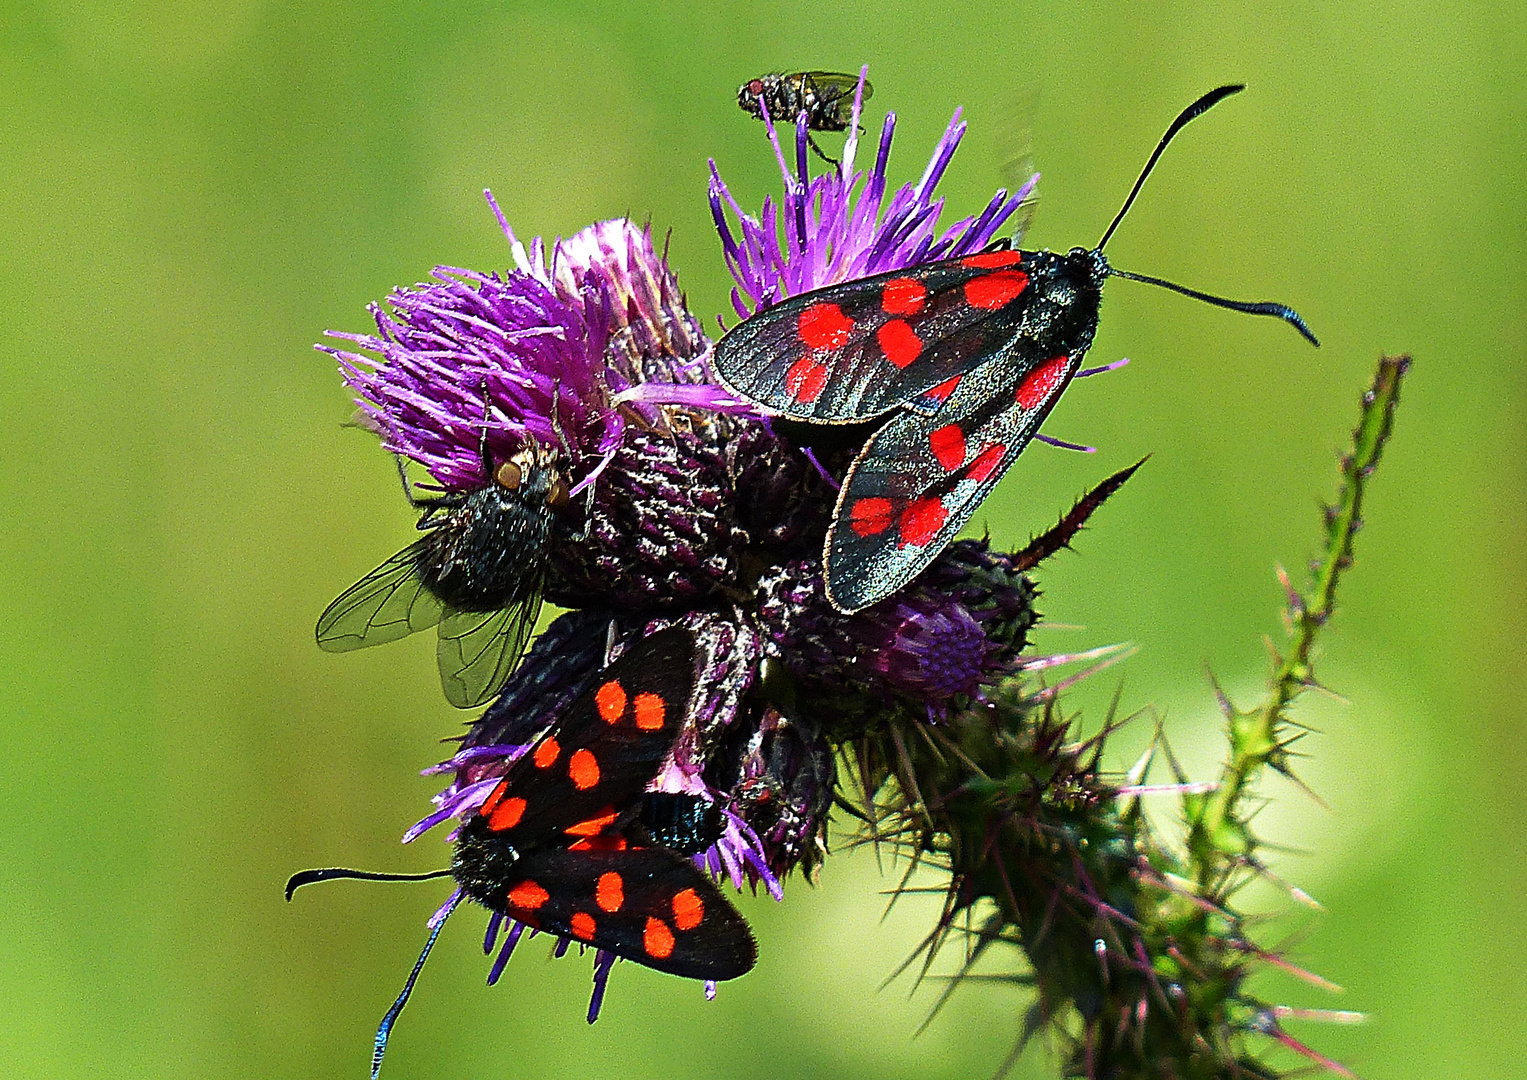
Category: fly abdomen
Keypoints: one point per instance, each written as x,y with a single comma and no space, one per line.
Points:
489,553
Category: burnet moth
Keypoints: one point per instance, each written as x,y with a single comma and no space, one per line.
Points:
570,842
968,356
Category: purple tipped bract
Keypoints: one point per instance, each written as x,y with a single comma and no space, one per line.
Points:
833,232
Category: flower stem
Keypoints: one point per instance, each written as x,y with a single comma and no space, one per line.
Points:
1257,737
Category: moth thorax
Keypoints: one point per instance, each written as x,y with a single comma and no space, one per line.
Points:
482,865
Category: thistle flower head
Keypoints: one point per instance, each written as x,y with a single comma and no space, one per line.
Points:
930,649
664,531
834,230
469,355
653,336
785,776
656,346
563,354
958,627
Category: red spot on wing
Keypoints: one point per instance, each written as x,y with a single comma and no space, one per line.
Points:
805,380
825,327
942,391
986,463
948,445
899,343
921,521
593,825
528,896
657,939
611,700
507,814
903,296
995,289
582,925
992,260
1040,383
546,754
688,909
610,891
599,843
650,712
494,798
867,517
583,769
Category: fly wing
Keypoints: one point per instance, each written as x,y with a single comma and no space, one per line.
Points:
594,764
855,350
644,904
920,478
835,91
476,651
389,603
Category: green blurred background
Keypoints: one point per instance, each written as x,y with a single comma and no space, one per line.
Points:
191,192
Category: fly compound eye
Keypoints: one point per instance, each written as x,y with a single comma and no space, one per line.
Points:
558,498
508,476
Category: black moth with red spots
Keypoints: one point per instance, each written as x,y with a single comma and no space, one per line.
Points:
975,351
569,842
969,354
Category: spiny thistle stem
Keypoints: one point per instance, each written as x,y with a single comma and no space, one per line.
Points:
1257,737
1139,959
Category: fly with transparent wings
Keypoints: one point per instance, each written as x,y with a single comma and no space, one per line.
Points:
825,97
476,575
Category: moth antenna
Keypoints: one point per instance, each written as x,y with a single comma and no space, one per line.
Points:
1115,366
1192,112
384,1029
1266,307
335,873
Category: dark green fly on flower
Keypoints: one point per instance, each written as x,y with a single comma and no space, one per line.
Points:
826,99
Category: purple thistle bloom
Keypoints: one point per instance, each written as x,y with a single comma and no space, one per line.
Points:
958,627
470,352
832,234
933,650
656,345
560,355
